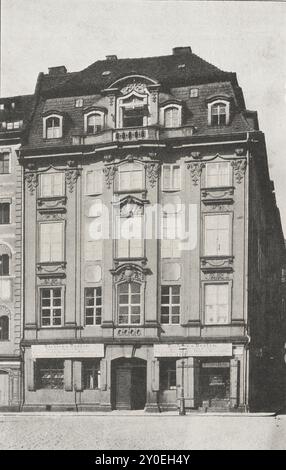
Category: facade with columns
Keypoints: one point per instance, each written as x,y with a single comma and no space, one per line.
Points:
146,195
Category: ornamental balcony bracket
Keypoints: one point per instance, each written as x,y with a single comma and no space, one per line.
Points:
153,172
196,171
239,167
72,175
109,173
32,182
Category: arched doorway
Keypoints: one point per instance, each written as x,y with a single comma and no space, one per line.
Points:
128,384
4,388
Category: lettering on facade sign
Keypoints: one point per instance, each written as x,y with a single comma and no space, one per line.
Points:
67,350
129,332
196,350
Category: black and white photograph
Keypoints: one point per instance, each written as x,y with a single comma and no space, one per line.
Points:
142,227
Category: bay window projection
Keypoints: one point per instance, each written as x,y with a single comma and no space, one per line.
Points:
218,174
171,180
217,234
170,305
51,305
52,184
130,177
129,303
51,242
216,303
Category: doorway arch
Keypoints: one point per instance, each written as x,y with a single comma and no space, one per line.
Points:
128,383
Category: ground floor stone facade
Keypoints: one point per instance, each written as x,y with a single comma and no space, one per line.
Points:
10,384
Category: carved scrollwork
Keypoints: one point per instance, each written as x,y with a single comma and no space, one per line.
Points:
153,171
129,273
215,276
31,179
196,170
71,178
239,167
109,173
138,87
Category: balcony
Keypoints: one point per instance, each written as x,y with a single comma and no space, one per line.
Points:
132,134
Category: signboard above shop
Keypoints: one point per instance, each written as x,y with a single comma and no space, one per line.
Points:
67,350
195,350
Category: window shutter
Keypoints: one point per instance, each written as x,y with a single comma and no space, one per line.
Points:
78,382
68,375
31,375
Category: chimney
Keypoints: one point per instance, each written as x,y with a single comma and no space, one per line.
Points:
182,50
60,70
111,57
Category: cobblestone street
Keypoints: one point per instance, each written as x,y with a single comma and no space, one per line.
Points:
137,431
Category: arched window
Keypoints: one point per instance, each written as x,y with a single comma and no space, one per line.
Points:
171,117
53,127
4,328
94,123
218,113
129,303
4,265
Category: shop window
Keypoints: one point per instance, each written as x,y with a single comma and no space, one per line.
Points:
215,382
170,305
93,305
4,213
51,303
4,328
4,265
4,163
52,184
51,242
129,303
217,304
218,174
171,178
167,374
217,234
50,374
91,374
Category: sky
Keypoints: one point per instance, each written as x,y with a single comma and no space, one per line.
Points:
246,37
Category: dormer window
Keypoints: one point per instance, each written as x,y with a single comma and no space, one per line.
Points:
218,113
94,122
53,127
171,115
132,110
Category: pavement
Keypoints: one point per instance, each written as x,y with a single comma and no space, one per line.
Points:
120,430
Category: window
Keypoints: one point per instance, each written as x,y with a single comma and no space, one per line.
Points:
94,182
129,236
218,174
129,303
170,305
171,177
50,374
217,234
53,127
4,213
2,106
93,305
194,92
130,177
94,123
216,304
134,110
51,307
79,103
52,184
172,117
91,374
51,242
4,265
4,328
170,242
4,163
218,113
168,374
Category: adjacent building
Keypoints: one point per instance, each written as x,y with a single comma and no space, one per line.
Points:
13,114
153,246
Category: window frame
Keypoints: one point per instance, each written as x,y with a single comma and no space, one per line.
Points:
94,171
90,114
165,108
129,241
166,370
7,331
38,381
230,234
172,166
60,127
51,174
218,185
8,204
218,102
175,243
129,188
2,264
94,365
229,299
2,163
41,260
51,306
94,307
129,305
120,106
170,305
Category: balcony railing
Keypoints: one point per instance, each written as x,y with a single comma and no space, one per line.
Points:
132,134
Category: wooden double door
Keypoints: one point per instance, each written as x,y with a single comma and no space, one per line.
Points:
128,384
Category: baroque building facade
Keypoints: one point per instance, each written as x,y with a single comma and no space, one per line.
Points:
152,241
